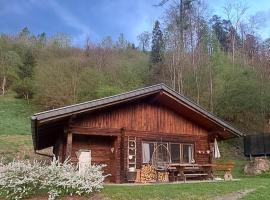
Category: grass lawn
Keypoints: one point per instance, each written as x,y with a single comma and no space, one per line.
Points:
190,191
185,191
14,116
16,146
15,127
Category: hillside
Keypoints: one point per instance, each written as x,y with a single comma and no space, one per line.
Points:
15,127
14,116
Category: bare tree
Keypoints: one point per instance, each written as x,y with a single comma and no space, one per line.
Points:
235,13
144,40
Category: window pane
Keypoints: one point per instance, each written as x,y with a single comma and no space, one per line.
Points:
187,153
175,153
152,147
147,151
162,152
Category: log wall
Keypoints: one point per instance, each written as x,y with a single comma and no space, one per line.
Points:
146,121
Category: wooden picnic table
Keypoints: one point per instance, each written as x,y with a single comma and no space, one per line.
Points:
185,170
195,170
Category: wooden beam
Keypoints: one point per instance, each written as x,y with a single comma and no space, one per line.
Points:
94,131
69,144
122,155
117,156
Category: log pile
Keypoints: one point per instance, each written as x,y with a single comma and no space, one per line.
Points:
148,174
163,176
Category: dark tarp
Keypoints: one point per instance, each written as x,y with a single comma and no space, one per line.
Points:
257,145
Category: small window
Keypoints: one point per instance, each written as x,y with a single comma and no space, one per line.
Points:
175,153
147,151
187,153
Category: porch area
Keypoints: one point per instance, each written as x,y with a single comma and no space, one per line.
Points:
173,161
177,172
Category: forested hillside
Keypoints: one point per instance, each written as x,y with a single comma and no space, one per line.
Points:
221,64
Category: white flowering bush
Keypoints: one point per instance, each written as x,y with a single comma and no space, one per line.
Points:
21,179
64,179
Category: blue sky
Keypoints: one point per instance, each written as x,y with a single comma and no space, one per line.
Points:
97,19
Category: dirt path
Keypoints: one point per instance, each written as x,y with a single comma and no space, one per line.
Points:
235,195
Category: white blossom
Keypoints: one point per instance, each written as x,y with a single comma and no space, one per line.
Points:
20,179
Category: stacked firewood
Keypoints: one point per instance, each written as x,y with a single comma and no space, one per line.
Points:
163,176
148,174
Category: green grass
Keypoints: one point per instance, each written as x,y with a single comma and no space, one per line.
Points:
14,116
190,191
15,127
15,146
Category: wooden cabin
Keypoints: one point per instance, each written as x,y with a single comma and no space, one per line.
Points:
123,130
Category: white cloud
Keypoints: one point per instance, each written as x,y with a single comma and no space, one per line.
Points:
146,14
73,22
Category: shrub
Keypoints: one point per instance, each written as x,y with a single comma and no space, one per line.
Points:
64,179
21,179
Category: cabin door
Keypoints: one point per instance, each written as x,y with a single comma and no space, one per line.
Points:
102,152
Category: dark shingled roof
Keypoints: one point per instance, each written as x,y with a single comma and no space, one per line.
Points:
124,97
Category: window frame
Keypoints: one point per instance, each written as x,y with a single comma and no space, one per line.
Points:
168,144
192,152
147,142
180,150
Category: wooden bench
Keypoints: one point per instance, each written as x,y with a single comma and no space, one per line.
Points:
188,172
226,168
194,172
195,175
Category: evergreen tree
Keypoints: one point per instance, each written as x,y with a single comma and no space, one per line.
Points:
27,69
157,49
41,40
24,85
24,33
122,42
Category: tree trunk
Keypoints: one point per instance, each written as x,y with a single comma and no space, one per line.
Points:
3,86
197,83
179,72
211,89
233,49
173,71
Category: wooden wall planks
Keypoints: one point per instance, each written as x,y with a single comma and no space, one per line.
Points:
142,117
103,130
